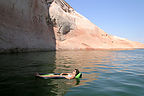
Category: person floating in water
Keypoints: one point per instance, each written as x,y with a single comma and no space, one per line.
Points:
75,74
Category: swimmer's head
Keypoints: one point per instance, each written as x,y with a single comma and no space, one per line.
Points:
77,73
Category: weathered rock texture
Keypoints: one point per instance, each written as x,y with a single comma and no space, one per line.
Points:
23,26
41,25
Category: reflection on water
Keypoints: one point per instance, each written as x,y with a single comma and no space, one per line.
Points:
90,63
105,73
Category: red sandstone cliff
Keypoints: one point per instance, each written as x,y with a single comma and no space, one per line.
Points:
41,25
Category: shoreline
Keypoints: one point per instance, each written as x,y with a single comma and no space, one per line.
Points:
24,50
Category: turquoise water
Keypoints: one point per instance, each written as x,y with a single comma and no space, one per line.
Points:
105,73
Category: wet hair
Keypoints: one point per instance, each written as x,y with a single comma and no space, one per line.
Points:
77,72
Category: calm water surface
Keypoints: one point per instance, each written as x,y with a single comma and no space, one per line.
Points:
105,73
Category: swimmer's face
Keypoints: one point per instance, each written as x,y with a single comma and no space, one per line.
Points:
74,72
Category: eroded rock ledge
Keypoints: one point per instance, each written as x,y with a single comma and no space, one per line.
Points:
60,15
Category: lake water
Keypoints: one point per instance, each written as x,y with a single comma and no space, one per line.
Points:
105,73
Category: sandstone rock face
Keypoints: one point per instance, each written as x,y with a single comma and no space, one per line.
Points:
73,31
41,25
23,26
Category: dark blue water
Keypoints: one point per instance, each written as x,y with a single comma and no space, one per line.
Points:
105,73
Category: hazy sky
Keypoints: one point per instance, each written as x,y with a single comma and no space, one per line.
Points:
123,18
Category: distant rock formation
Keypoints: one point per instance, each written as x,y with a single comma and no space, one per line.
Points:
73,31
42,25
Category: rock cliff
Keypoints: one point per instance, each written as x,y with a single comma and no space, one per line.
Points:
41,25
23,26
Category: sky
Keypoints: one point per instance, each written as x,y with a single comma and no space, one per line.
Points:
122,18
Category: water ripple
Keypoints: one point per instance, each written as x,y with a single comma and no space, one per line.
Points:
105,73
